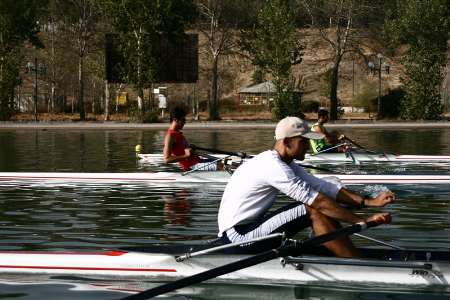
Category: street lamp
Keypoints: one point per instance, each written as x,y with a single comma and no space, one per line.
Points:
37,69
378,66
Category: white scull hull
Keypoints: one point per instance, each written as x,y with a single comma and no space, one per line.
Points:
367,157
337,157
160,266
201,177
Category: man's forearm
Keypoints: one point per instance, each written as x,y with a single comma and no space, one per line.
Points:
346,196
335,211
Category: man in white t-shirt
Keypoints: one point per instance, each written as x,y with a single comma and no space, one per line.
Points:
254,187
162,104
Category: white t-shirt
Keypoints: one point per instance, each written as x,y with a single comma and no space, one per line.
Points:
255,185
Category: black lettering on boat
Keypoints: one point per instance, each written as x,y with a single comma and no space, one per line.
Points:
419,272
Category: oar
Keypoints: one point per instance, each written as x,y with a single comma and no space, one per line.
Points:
245,155
364,148
328,149
317,168
285,250
379,241
203,167
238,154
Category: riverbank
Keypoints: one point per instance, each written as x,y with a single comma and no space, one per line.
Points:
120,121
90,125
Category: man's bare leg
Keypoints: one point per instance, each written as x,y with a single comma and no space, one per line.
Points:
321,224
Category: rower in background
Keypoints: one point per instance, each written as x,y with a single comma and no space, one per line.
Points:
177,149
330,140
254,186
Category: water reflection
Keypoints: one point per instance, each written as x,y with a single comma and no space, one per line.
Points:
113,150
177,208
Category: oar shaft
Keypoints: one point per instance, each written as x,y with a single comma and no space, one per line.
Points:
379,242
354,143
230,153
200,277
317,168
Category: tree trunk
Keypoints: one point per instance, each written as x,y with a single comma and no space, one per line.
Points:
334,80
107,96
81,89
140,85
52,62
214,101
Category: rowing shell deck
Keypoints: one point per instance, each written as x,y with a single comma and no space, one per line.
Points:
383,266
202,177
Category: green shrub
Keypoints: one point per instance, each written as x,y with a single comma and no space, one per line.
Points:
391,103
203,105
365,98
136,116
309,106
151,117
228,105
287,103
248,108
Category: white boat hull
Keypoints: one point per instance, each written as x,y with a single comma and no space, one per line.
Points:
367,157
157,159
164,267
200,177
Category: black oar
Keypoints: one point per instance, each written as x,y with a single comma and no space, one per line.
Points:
245,155
317,168
364,148
286,250
217,151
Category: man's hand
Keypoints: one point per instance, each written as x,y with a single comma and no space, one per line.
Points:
342,137
382,218
382,199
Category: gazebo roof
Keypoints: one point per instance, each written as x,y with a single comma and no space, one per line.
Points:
260,88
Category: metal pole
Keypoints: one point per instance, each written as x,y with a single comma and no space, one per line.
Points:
353,80
379,86
35,88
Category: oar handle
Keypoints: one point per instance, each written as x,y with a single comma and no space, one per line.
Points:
230,153
299,247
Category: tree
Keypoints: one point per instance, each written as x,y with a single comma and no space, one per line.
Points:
219,21
336,21
276,55
80,19
18,23
139,23
424,27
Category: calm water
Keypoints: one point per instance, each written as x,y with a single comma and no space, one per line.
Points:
102,216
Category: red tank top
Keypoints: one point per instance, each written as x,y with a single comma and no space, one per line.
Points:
178,146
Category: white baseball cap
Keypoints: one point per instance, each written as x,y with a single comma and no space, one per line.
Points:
293,126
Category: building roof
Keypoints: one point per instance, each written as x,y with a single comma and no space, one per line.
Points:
260,88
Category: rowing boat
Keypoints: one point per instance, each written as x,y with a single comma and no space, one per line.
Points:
201,177
376,157
350,157
382,266
336,157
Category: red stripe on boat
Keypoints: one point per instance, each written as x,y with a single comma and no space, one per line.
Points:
103,253
88,269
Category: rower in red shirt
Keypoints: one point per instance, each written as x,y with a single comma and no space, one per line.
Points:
176,147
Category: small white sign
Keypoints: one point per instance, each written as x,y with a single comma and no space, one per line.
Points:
162,101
